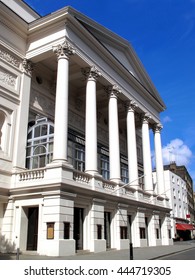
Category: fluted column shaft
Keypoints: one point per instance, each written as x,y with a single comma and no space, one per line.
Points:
159,159
92,75
148,184
132,146
61,105
114,146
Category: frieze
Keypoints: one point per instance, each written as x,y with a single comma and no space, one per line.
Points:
76,121
9,58
8,78
42,103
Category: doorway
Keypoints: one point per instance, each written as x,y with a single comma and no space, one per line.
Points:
78,228
147,237
32,233
129,223
107,223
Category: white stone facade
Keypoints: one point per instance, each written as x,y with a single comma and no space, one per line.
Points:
176,191
76,107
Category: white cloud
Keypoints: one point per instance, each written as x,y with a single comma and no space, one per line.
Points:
176,151
166,119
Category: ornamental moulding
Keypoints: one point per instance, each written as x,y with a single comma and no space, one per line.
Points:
9,58
64,49
7,78
91,73
113,91
27,66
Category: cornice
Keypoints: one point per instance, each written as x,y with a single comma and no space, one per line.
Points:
13,21
48,20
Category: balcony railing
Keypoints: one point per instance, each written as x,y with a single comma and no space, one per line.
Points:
81,177
33,174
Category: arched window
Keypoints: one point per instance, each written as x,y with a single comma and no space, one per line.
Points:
39,150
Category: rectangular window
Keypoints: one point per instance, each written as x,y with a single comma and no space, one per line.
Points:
79,157
142,232
105,167
123,232
66,230
124,173
99,231
169,233
76,155
50,230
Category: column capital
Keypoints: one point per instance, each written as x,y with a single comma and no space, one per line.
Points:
27,66
91,73
113,90
145,118
63,50
131,106
157,128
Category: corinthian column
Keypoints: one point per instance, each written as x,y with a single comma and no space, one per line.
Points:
92,75
159,160
61,106
148,184
114,148
131,145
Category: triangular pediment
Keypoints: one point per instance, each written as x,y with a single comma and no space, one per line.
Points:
121,50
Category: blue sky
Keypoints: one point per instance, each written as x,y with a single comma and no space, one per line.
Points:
162,32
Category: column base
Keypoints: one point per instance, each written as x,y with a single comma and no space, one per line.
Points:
116,180
93,173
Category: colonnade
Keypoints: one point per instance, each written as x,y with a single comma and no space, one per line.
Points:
63,52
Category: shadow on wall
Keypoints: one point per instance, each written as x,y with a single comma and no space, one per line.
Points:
6,246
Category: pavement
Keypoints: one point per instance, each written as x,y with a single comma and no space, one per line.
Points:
144,253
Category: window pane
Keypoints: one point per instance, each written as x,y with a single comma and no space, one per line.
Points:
50,147
37,131
35,162
51,130
42,162
44,130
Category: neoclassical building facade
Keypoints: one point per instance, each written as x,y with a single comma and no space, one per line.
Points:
76,111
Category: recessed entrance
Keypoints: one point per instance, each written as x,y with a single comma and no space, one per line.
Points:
78,228
32,235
